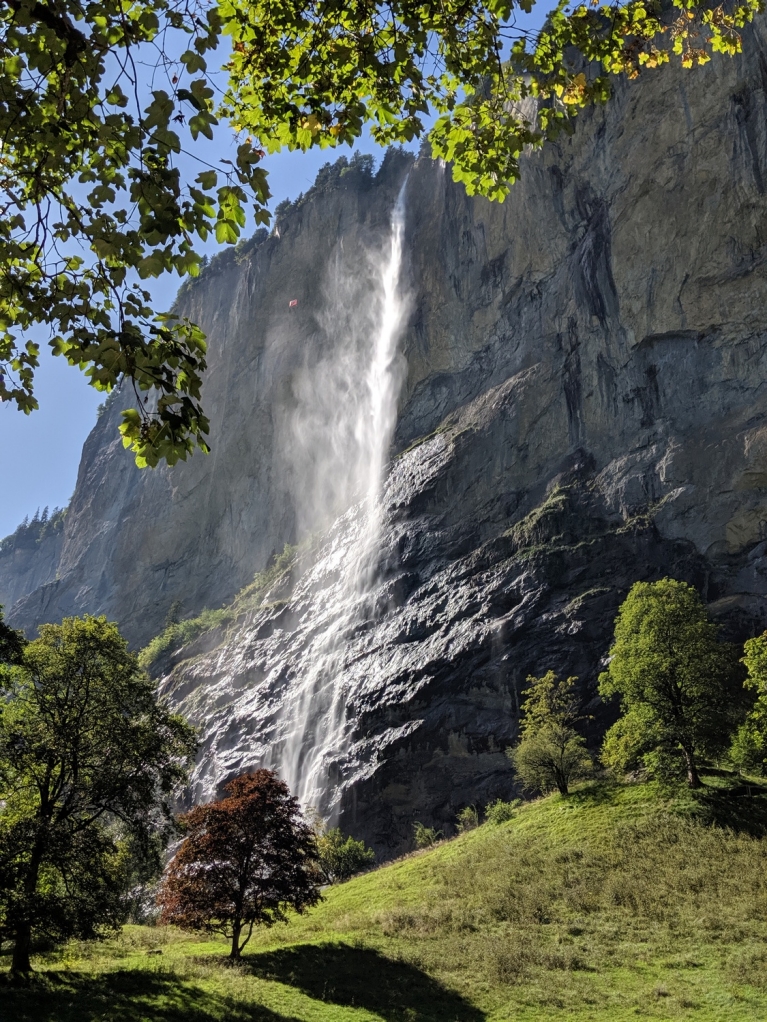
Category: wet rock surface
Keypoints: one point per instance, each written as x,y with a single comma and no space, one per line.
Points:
585,406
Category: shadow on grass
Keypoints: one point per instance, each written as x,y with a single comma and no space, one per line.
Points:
725,800
742,807
363,978
600,793
123,996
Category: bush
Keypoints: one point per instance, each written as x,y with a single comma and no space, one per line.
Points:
425,837
501,812
468,819
341,858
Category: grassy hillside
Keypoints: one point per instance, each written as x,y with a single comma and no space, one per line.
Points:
610,904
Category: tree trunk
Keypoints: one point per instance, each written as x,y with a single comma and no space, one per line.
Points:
693,779
20,962
234,954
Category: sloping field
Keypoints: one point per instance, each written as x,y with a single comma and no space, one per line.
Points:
611,904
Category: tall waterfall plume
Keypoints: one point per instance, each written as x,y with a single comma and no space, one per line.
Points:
342,430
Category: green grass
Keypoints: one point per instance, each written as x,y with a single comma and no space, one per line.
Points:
614,903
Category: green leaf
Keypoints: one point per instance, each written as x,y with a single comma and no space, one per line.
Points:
207,178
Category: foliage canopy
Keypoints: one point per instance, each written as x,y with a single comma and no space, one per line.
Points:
551,753
245,860
98,103
89,761
673,677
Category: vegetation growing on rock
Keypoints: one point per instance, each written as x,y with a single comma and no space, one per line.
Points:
178,634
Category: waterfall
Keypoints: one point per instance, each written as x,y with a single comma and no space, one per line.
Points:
344,427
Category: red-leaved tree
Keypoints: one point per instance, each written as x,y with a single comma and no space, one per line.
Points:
245,860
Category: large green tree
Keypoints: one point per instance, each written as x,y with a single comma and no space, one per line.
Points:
99,100
89,761
675,679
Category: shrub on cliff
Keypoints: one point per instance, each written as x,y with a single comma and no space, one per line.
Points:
676,681
551,753
245,861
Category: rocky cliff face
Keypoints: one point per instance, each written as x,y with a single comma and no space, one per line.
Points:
29,557
584,406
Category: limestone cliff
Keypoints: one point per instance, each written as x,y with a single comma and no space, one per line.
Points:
585,405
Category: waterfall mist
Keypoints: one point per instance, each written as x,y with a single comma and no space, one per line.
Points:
338,424
339,430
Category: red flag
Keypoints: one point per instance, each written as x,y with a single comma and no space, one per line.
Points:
293,303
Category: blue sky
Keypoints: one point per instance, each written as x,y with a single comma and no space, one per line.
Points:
40,453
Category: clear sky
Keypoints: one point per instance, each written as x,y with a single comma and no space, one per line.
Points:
40,453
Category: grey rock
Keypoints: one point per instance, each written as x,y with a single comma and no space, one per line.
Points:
27,562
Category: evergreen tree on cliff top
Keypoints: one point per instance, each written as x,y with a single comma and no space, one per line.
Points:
675,680
89,761
245,861
98,101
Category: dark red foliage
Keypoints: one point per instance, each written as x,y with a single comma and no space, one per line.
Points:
245,861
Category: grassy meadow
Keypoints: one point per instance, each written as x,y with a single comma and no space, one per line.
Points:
613,903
